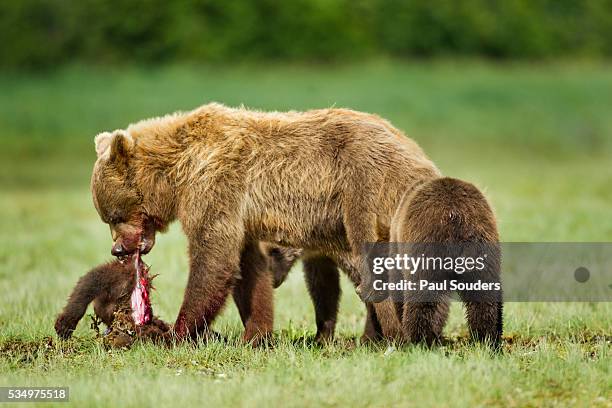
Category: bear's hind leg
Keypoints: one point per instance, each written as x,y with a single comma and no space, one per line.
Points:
323,282
424,321
485,319
373,331
253,294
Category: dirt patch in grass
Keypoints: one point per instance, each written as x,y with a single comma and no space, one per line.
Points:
28,351
23,351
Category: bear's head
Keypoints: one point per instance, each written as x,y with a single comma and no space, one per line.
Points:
116,195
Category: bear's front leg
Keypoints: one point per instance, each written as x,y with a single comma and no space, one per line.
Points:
214,263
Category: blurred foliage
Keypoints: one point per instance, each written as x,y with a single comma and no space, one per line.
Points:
467,115
43,33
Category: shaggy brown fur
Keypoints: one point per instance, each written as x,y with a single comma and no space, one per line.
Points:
234,177
109,286
452,211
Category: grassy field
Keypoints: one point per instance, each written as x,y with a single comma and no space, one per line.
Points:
537,139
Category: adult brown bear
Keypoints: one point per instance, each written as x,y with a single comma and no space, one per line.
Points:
327,181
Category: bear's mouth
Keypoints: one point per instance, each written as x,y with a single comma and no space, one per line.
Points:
145,245
142,312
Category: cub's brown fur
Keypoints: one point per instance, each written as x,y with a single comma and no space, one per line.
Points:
450,211
109,286
324,180
280,260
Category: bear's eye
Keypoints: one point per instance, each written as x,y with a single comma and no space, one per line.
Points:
115,219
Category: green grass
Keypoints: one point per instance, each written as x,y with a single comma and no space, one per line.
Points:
537,139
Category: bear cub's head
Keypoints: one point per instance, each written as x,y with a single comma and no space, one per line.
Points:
116,195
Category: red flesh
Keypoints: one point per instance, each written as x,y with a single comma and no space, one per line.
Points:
142,312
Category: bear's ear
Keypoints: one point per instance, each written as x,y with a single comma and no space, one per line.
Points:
120,148
102,142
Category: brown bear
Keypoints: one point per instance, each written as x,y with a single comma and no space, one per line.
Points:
328,181
111,287
441,217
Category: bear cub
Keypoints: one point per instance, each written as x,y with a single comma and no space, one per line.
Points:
111,287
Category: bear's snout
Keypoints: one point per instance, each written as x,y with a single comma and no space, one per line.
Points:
118,249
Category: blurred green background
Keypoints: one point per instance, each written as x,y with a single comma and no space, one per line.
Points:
515,96
44,33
